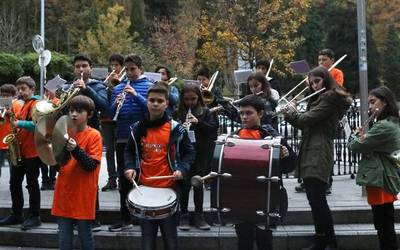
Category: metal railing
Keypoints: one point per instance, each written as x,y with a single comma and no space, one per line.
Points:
345,161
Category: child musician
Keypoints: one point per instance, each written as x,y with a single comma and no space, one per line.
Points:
30,162
76,186
193,113
7,91
158,146
251,112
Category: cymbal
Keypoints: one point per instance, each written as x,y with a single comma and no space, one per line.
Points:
43,144
59,140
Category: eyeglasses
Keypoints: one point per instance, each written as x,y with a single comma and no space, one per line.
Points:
316,81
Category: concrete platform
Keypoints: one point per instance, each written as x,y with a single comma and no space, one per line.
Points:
351,213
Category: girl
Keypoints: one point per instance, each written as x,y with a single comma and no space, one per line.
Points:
318,125
257,83
193,112
378,169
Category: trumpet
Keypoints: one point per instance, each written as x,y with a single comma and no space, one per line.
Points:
284,101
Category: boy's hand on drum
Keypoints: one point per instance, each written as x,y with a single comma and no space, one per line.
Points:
130,174
284,152
177,174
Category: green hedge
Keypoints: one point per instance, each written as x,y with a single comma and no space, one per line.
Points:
13,66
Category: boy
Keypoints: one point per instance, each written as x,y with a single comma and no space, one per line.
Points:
158,145
326,58
7,91
75,191
173,91
132,109
91,88
251,111
30,164
116,62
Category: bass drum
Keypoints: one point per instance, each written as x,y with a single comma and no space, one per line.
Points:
253,190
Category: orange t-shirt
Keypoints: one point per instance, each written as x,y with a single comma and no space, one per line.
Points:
337,74
249,134
378,196
154,161
25,137
76,189
5,128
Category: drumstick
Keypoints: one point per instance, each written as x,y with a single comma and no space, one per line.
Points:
136,186
160,177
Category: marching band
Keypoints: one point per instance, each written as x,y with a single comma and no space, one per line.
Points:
162,141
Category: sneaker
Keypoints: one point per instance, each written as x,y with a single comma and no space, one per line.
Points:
11,220
96,226
300,188
111,185
200,222
31,222
184,222
120,226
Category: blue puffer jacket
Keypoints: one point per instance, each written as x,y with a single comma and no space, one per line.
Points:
96,91
134,107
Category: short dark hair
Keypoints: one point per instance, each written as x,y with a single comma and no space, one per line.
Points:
26,80
203,72
117,58
82,57
135,59
82,102
166,70
327,52
253,101
8,89
385,94
159,88
262,62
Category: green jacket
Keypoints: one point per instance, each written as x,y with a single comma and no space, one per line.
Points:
318,126
377,167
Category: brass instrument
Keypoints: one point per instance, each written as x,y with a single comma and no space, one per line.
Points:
206,92
283,101
121,75
231,102
14,151
172,80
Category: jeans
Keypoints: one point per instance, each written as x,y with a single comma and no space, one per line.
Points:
66,233
108,132
30,168
322,216
124,184
168,231
384,224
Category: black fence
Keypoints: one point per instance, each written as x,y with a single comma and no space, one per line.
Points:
346,162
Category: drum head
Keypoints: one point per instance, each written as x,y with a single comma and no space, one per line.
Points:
152,197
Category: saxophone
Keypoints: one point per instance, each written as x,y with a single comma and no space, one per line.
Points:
14,151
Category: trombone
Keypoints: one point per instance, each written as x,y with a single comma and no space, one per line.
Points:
284,101
121,75
206,92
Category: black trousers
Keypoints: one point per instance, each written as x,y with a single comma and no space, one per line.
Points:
322,216
247,231
124,184
383,216
48,173
30,168
198,196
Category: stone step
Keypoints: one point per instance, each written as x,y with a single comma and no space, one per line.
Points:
297,216
349,236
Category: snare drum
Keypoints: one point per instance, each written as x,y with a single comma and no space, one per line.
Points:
152,203
249,194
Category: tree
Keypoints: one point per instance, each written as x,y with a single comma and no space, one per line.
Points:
112,36
391,60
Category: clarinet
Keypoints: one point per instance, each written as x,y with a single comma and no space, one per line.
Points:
120,104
